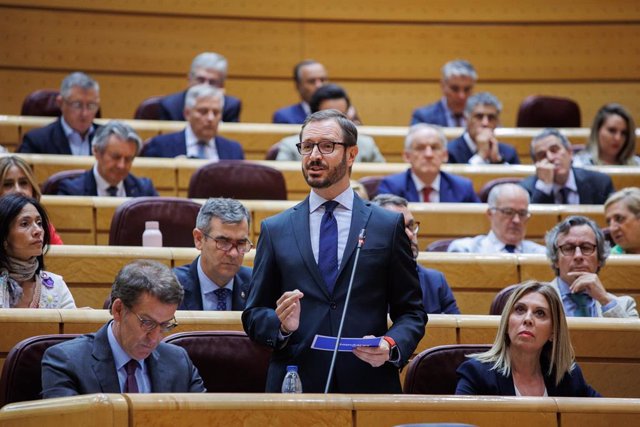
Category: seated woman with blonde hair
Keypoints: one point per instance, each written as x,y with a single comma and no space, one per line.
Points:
532,353
24,236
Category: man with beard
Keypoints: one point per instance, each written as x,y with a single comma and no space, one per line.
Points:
303,266
556,181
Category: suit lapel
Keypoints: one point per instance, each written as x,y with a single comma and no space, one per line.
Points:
411,191
446,193
583,193
240,292
300,221
192,291
90,185
158,373
103,363
60,139
359,219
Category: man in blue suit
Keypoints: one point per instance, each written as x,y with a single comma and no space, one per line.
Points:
127,354
216,280
308,76
199,140
458,79
303,267
478,144
115,147
425,148
436,295
556,181
71,133
207,68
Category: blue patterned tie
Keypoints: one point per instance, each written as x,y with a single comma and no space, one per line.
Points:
202,149
328,253
112,191
582,304
131,385
510,248
222,294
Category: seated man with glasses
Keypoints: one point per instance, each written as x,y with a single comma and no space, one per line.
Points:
577,250
207,68
216,280
508,214
436,294
478,145
425,148
127,354
79,101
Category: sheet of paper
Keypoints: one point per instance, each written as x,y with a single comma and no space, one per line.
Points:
323,342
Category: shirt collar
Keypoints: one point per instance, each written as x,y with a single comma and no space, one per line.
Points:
191,139
68,130
497,243
472,145
345,199
120,356
570,184
102,185
420,185
306,107
207,285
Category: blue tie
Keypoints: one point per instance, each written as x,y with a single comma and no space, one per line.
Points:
582,304
328,253
564,195
222,294
202,149
510,248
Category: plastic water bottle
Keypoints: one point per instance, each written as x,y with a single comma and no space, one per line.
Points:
292,383
152,237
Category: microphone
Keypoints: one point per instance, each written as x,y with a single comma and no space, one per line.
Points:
361,238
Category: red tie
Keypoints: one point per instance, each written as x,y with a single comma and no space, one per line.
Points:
426,191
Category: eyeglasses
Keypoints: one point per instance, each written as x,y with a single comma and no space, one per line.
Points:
480,116
79,106
510,212
569,249
413,226
325,147
211,82
149,325
242,246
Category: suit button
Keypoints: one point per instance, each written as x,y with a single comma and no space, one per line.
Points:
333,305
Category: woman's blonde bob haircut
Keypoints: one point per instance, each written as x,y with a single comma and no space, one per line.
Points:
557,351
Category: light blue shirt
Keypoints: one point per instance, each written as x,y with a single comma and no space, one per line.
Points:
102,185
434,196
451,120
79,146
573,198
570,306
342,213
210,150
121,358
207,288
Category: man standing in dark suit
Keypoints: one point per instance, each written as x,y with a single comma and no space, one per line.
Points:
425,148
216,280
303,267
556,181
79,101
458,79
436,294
114,147
207,68
478,145
127,354
203,109
308,76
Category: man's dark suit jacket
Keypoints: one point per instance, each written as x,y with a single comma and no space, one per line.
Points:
175,144
172,107
459,152
188,278
85,365
385,279
48,140
434,114
477,378
85,185
437,297
453,188
293,114
593,188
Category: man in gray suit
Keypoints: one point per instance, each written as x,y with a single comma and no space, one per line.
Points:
126,355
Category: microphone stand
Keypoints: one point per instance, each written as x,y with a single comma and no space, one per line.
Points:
361,238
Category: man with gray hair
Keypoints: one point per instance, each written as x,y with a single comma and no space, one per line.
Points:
199,140
115,146
216,280
79,101
425,148
556,181
578,250
478,144
508,213
127,354
207,68
436,295
458,79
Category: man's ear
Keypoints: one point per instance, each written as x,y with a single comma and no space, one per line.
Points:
117,310
59,101
198,236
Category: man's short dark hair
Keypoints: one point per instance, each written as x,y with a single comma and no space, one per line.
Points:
325,93
349,130
298,67
146,276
